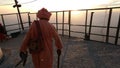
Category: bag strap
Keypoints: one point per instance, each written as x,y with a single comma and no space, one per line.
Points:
38,27
40,36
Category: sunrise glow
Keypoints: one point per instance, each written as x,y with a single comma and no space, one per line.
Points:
59,5
54,5
66,4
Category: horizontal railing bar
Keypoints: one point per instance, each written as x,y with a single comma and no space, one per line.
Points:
100,8
64,29
77,32
14,13
86,25
33,13
88,9
61,23
15,24
13,29
26,27
11,25
84,33
102,35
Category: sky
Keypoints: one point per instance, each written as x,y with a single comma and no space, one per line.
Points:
55,5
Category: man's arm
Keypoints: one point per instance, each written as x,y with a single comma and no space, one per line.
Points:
58,41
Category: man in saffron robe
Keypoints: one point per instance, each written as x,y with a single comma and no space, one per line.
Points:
44,58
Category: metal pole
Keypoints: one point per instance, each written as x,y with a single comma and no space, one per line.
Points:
18,22
29,20
86,22
91,19
86,35
57,21
108,25
117,33
63,24
69,21
17,5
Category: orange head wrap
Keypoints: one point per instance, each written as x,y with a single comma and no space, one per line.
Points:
43,14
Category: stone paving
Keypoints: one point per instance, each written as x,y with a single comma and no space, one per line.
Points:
76,53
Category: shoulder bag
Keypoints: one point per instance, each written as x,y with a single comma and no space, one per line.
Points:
35,45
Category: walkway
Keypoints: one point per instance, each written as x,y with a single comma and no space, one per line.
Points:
77,53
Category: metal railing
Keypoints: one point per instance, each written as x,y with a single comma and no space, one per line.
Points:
87,33
14,24
88,25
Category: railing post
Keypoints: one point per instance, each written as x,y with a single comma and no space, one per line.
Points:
63,24
91,19
69,22
108,25
3,23
86,35
29,19
57,21
117,33
18,22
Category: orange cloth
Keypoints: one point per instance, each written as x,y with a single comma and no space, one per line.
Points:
44,59
43,13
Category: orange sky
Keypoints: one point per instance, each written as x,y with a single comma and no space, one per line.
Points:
56,5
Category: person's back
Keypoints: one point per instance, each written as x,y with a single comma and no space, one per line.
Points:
47,32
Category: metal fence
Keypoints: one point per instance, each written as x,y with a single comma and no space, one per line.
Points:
89,28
